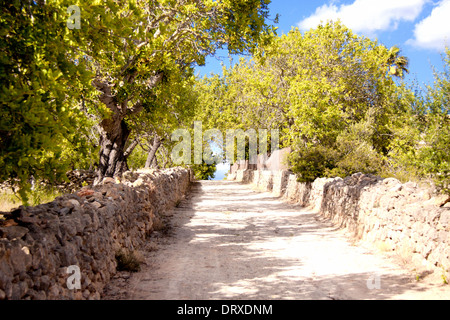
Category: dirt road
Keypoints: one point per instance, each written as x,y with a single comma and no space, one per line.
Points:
228,241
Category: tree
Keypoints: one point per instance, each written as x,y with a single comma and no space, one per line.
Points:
398,65
421,144
146,50
343,101
331,93
118,67
436,155
43,130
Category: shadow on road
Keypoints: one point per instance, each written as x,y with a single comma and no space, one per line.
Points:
230,242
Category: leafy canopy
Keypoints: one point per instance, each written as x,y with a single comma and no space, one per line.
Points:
330,92
128,61
42,126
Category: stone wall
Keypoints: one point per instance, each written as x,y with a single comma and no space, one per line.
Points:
406,219
84,229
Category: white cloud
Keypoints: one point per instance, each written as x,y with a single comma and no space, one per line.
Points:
433,32
368,16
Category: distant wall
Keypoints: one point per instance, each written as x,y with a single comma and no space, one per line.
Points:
403,218
85,229
278,161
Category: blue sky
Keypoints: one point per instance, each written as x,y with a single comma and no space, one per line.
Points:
419,27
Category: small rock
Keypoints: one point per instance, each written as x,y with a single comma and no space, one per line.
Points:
26,250
108,180
444,219
426,195
64,211
396,188
30,220
19,290
85,193
13,232
97,204
86,294
411,185
391,181
9,223
94,296
442,200
74,202
138,182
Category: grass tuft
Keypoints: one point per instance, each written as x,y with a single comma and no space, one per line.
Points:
128,261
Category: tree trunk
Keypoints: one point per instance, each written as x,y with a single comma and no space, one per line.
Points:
114,132
152,153
166,157
112,159
155,163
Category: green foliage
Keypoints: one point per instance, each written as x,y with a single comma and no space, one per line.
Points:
43,194
137,158
351,152
129,66
204,171
421,145
357,152
342,101
435,155
42,126
207,169
39,195
330,93
312,162
144,65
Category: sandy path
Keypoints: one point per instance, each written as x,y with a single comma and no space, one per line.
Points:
230,242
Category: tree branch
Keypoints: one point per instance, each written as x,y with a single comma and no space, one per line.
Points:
106,97
131,148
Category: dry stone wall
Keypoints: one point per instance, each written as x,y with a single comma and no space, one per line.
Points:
403,218
84,229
